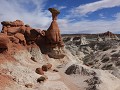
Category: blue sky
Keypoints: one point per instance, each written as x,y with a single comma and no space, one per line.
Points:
77,16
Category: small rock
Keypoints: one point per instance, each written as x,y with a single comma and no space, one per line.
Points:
32,58
44,68
41,79
55,70
29,85
39,71
14,79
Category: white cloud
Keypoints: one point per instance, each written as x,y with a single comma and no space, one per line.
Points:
102,15
61,7
11,10
92,7
87,26
15,9
58,7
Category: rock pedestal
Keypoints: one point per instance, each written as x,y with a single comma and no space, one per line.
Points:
54,38
53,32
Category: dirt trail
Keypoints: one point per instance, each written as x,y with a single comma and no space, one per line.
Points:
58,80
68,82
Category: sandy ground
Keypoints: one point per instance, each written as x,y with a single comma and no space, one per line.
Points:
58,81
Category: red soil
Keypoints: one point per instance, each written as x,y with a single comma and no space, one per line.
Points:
5,80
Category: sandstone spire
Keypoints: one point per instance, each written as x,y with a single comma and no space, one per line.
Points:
53,32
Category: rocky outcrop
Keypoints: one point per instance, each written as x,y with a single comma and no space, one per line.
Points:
14,24
54,40
21,38
4,42
99,39
17,29
21,34
83,41
108,36
53,32
76,69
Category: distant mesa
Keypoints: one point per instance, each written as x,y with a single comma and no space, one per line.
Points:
108,36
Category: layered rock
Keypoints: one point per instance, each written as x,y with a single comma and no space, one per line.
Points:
53,32
19,34
14,24
4,42
99,39
109,36
53,35
83,41
18,30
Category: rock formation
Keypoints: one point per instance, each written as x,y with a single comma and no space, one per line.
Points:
109,36
99,39
53,36
4,42
24,33
88,65
83,40
39,71
18,33
53,32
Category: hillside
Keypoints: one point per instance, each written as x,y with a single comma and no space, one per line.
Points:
34,59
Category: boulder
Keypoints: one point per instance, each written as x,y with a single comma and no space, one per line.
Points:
17,23
14,40
12,30
4,42
21,38
41,79
39,71
22,29
6,23
31,34
4,29
14,23
45,68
